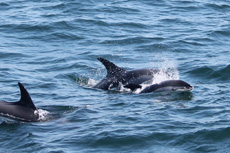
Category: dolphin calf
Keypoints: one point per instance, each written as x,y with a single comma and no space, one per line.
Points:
116,75
23,110
174,85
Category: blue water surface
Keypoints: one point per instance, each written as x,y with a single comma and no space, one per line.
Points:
52,48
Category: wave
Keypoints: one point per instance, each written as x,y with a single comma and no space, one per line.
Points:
175,20
218,7
201,141
133,40
209,138
2,4
83,80
221,33
36,26
211,73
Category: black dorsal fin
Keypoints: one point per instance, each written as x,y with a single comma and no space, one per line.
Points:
133,86
25,98
112,69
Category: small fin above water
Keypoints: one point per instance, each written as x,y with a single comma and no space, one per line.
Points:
133,86
25,98
112,69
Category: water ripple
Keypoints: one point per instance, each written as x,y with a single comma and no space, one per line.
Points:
210,73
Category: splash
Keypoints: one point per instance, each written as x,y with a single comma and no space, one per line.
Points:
168,71
91,82
43,115
165,74
121,88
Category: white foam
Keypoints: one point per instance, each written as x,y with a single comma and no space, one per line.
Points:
42,114
163,75
87,106
121,88
92,82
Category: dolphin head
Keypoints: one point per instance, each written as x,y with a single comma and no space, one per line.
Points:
169,85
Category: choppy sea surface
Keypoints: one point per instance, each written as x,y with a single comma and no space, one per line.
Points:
52,48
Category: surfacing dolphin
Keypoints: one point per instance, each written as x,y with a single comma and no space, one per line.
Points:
116,75
169,85
23,110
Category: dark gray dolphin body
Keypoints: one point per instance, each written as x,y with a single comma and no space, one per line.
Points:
23,110
116,75
174,85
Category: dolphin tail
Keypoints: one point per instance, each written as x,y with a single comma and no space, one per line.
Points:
25,98
111,68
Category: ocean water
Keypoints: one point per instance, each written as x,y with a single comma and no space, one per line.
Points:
52,48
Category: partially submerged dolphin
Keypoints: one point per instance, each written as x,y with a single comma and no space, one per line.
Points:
173,85
23,110
116,75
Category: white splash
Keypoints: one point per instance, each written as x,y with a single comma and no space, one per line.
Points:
42,114
121,88
91,82
87,106
167,72
163,75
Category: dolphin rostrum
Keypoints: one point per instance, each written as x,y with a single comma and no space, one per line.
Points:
116,75
23,110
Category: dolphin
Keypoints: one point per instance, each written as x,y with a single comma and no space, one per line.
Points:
169,85
23,110
116,75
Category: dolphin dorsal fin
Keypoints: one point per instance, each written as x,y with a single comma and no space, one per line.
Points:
112,69
25,98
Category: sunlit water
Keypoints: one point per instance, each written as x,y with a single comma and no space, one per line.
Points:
52,48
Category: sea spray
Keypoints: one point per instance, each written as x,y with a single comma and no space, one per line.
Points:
43,115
